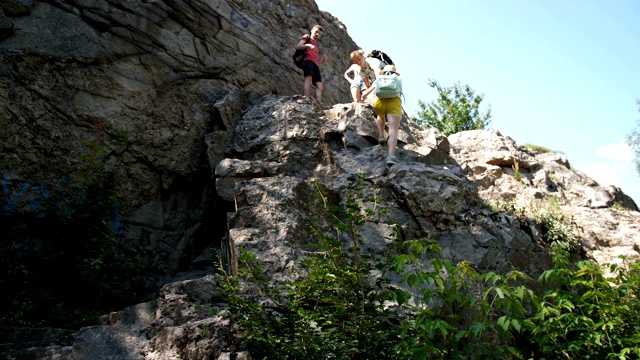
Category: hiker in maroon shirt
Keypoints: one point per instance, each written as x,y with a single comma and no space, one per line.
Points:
311,63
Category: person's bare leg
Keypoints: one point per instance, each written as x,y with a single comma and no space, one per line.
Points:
392,141
307,85
319,90
356,94
380,124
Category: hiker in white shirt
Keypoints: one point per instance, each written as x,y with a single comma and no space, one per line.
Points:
361,74
373,62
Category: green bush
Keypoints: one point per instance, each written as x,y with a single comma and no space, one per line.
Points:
342,304
459,314
587,315
334,307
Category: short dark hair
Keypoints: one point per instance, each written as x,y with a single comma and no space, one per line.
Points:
317,26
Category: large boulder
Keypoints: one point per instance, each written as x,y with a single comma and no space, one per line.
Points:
608,218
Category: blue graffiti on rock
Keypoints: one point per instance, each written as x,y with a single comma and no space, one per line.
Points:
34,198
236,19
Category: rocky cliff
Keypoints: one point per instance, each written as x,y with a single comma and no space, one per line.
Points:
195,109
157,87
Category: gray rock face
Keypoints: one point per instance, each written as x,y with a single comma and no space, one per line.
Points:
290,144
175,326
193,105
609,218
152,87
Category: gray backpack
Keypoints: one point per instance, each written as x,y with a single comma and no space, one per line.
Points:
388,86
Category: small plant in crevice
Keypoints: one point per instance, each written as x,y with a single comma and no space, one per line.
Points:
553,204
516,168
553,177
620,207
538,148
556,227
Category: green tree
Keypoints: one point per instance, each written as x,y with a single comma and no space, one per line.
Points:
456,109
633,140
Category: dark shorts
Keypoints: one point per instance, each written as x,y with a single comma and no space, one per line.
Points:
310,68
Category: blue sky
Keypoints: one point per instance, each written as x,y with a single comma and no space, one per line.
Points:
563,74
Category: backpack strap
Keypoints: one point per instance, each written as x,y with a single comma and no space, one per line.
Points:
304,52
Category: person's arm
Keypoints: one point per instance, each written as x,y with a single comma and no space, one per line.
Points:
303,44
368,91
350,70
367,84
324,59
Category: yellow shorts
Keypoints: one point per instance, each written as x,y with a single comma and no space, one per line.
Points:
383,107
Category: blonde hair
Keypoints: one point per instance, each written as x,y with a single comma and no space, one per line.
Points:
354,55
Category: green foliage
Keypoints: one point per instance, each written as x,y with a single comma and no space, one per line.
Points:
456,109
586,315
332,309
538,148
633,140
452,319
620,207
341,303
65,260
556,227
